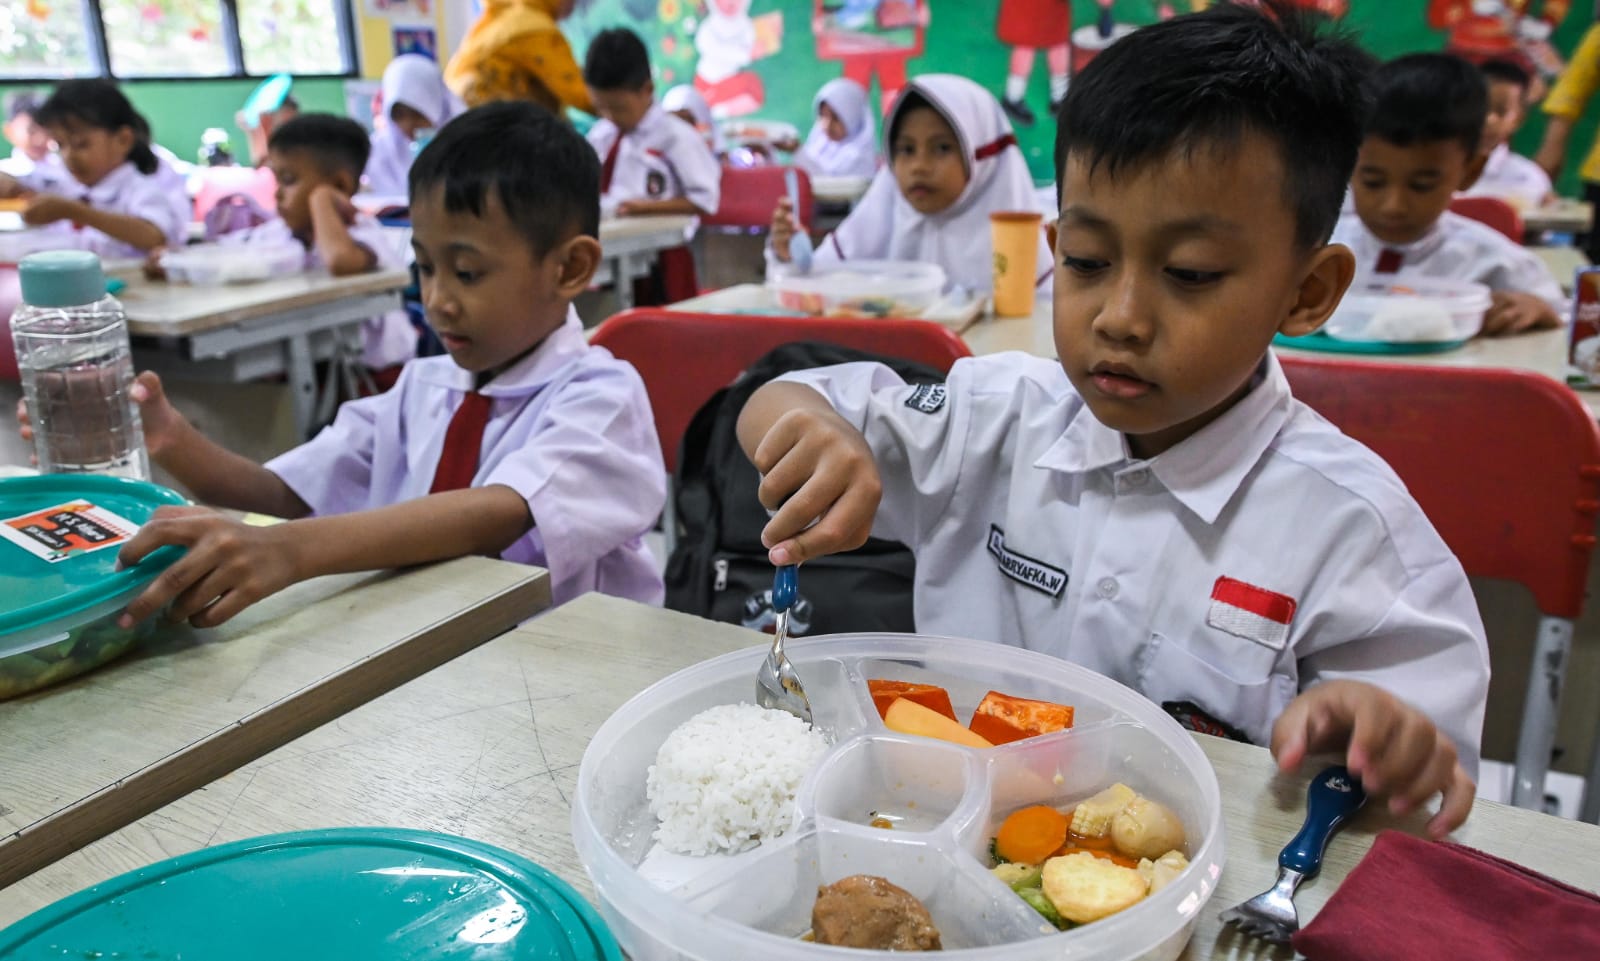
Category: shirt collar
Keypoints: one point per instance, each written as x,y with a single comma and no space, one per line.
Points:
1205,470
528,375
111,185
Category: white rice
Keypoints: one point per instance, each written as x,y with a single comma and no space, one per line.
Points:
725,779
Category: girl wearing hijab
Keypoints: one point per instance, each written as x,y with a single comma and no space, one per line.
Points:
686,103
416,103
516,51
843,141
953,160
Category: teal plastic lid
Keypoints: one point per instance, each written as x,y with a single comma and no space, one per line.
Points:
376,894
40,597
1319,341
268,96
61,278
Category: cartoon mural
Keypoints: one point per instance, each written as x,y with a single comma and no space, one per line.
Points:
872,39
727,41
1028,26
1488,29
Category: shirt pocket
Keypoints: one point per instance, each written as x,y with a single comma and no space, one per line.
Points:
1247,687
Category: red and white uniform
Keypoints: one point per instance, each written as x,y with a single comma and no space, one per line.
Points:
660,159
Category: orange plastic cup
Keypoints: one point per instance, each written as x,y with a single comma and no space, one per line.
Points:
1016,261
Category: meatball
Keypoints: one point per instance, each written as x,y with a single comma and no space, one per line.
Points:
863,911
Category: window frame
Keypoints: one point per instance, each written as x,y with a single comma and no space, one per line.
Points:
232,43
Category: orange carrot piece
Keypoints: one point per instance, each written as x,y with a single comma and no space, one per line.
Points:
884,693
1032,834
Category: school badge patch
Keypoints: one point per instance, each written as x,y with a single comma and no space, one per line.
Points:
928,398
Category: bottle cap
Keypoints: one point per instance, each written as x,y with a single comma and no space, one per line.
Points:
61,278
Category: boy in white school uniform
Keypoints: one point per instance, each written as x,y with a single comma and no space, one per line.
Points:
650,162
1508,175
1422,144
33,162
524,443
1156,505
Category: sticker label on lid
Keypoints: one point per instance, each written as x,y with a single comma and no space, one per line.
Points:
57,533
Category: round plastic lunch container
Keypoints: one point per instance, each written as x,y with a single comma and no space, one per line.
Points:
210,265
756,904
58,614
1413,311
863,288
371,893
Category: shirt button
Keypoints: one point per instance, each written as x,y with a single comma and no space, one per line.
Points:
1107,587
1136,477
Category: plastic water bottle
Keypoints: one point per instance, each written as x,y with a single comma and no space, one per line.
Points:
72,352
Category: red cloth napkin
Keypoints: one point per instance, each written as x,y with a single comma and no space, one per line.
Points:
1415,900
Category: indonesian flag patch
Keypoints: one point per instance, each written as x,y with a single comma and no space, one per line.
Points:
1253,613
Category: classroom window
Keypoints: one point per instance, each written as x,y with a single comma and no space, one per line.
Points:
290,35
165,37
44,38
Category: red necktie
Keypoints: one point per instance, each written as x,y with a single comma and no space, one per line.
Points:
463,440
1390,261
610,166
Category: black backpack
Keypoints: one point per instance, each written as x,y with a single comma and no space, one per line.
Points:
719,569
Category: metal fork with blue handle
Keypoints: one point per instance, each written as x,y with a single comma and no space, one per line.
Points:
1334,795
777,683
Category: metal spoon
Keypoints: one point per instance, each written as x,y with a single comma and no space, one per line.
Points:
800,249
777,685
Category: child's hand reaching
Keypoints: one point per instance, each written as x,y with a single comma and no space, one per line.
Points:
1391,746
784,227
161,421
11,187
228,565
816,466
1514,312
49,208
152,264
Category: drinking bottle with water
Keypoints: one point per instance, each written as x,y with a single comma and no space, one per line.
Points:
72,351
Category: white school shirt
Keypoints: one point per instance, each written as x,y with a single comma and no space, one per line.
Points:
1456,248
45,176
570,430
1033,525
660,159
1512,178
159,198
387,339
857,154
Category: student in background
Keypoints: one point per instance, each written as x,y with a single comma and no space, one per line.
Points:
32,162
121,200
416,103
524,443
1155,505
843,141
270,105
687,104
1423,143
516,51
650,162
1506,175
953,160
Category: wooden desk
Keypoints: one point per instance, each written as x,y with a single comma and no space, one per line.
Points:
488,746
1564,214
629,244
85,758
242,332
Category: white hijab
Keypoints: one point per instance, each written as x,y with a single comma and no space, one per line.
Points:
685,97
415,81
857,154
884,225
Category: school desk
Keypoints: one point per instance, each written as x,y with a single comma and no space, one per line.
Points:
1562,262
240,332
488,746
756,300
844,191
629,246
86,757
1563,214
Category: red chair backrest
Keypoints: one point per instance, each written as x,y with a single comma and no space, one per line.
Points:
219,182
684,358
1491,211
750,193
1505,463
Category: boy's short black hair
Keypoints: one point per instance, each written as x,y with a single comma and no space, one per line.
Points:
541,171
1506,71
1425,98
23,103
336,144
617,60
1206,79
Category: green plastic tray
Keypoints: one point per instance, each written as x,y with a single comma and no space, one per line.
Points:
1333,345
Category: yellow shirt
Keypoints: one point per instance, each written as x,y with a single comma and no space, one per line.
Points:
1571,94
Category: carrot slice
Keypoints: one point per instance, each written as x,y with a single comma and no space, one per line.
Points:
1101,848
930,696
1032,834
1001,718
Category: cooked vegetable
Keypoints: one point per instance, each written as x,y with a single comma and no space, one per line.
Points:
1019,876
1084,888
909,717
1101,848
1163,870
1001,718
885,692
1039,902
1146,829
1031,835
1093,816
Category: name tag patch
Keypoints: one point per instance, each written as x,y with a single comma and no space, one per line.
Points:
928,398
1026,570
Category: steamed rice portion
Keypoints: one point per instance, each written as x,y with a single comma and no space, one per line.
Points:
725,779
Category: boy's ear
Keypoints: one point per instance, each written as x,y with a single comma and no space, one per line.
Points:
1474,169
1327,277
346,183
578,259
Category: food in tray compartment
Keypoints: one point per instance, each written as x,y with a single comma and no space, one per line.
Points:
999,719
725,779
863,911
86,648
1117,848
1411,319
